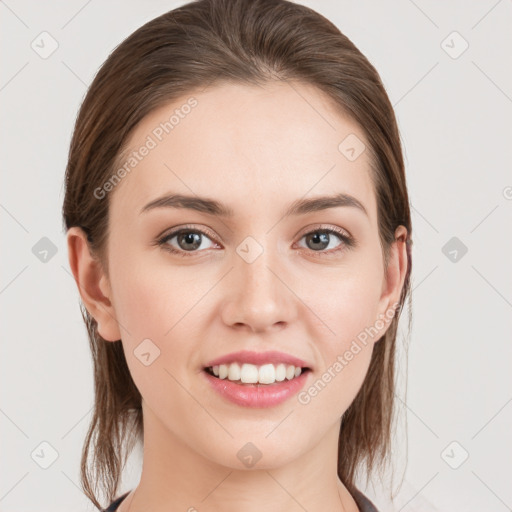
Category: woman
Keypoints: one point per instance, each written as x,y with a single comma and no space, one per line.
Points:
238,226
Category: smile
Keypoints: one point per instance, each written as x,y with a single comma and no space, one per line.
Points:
249,385
246,373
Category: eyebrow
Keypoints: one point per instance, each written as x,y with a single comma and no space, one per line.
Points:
212,207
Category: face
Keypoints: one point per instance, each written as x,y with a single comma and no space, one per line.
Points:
188,285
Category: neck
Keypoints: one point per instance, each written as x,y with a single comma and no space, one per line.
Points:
175,476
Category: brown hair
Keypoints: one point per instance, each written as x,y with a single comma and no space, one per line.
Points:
209,42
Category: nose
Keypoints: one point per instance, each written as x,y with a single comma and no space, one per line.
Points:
258,297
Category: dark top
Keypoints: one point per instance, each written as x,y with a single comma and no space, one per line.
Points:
364,504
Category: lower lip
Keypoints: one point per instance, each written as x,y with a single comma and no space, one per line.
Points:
257,395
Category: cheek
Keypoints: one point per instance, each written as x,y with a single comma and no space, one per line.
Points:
159,309
348,308
345,357
151,299
153,308
346,302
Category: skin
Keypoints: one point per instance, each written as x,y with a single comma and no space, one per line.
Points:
272,145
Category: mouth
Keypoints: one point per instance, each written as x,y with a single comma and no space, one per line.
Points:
246,374
249,385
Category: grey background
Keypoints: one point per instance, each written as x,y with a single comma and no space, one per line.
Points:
454,116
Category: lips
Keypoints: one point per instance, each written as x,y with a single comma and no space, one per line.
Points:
251,382
256,395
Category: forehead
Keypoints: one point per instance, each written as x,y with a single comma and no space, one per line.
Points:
242,144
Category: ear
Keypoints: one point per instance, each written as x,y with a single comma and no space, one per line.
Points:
92,283
394,277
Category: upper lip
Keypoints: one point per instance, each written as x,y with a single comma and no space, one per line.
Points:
259,358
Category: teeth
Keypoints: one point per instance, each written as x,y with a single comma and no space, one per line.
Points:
266,374
280,372
234,371
223,371
252,374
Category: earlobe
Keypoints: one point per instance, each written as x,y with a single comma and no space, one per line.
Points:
394,277
92,284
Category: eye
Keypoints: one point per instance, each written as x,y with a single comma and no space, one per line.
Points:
321,239
187,240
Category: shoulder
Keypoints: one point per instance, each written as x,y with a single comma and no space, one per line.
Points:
364,504
115,504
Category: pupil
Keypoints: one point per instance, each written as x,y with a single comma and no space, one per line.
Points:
321,238
191,238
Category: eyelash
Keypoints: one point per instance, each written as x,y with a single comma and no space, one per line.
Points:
348,241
